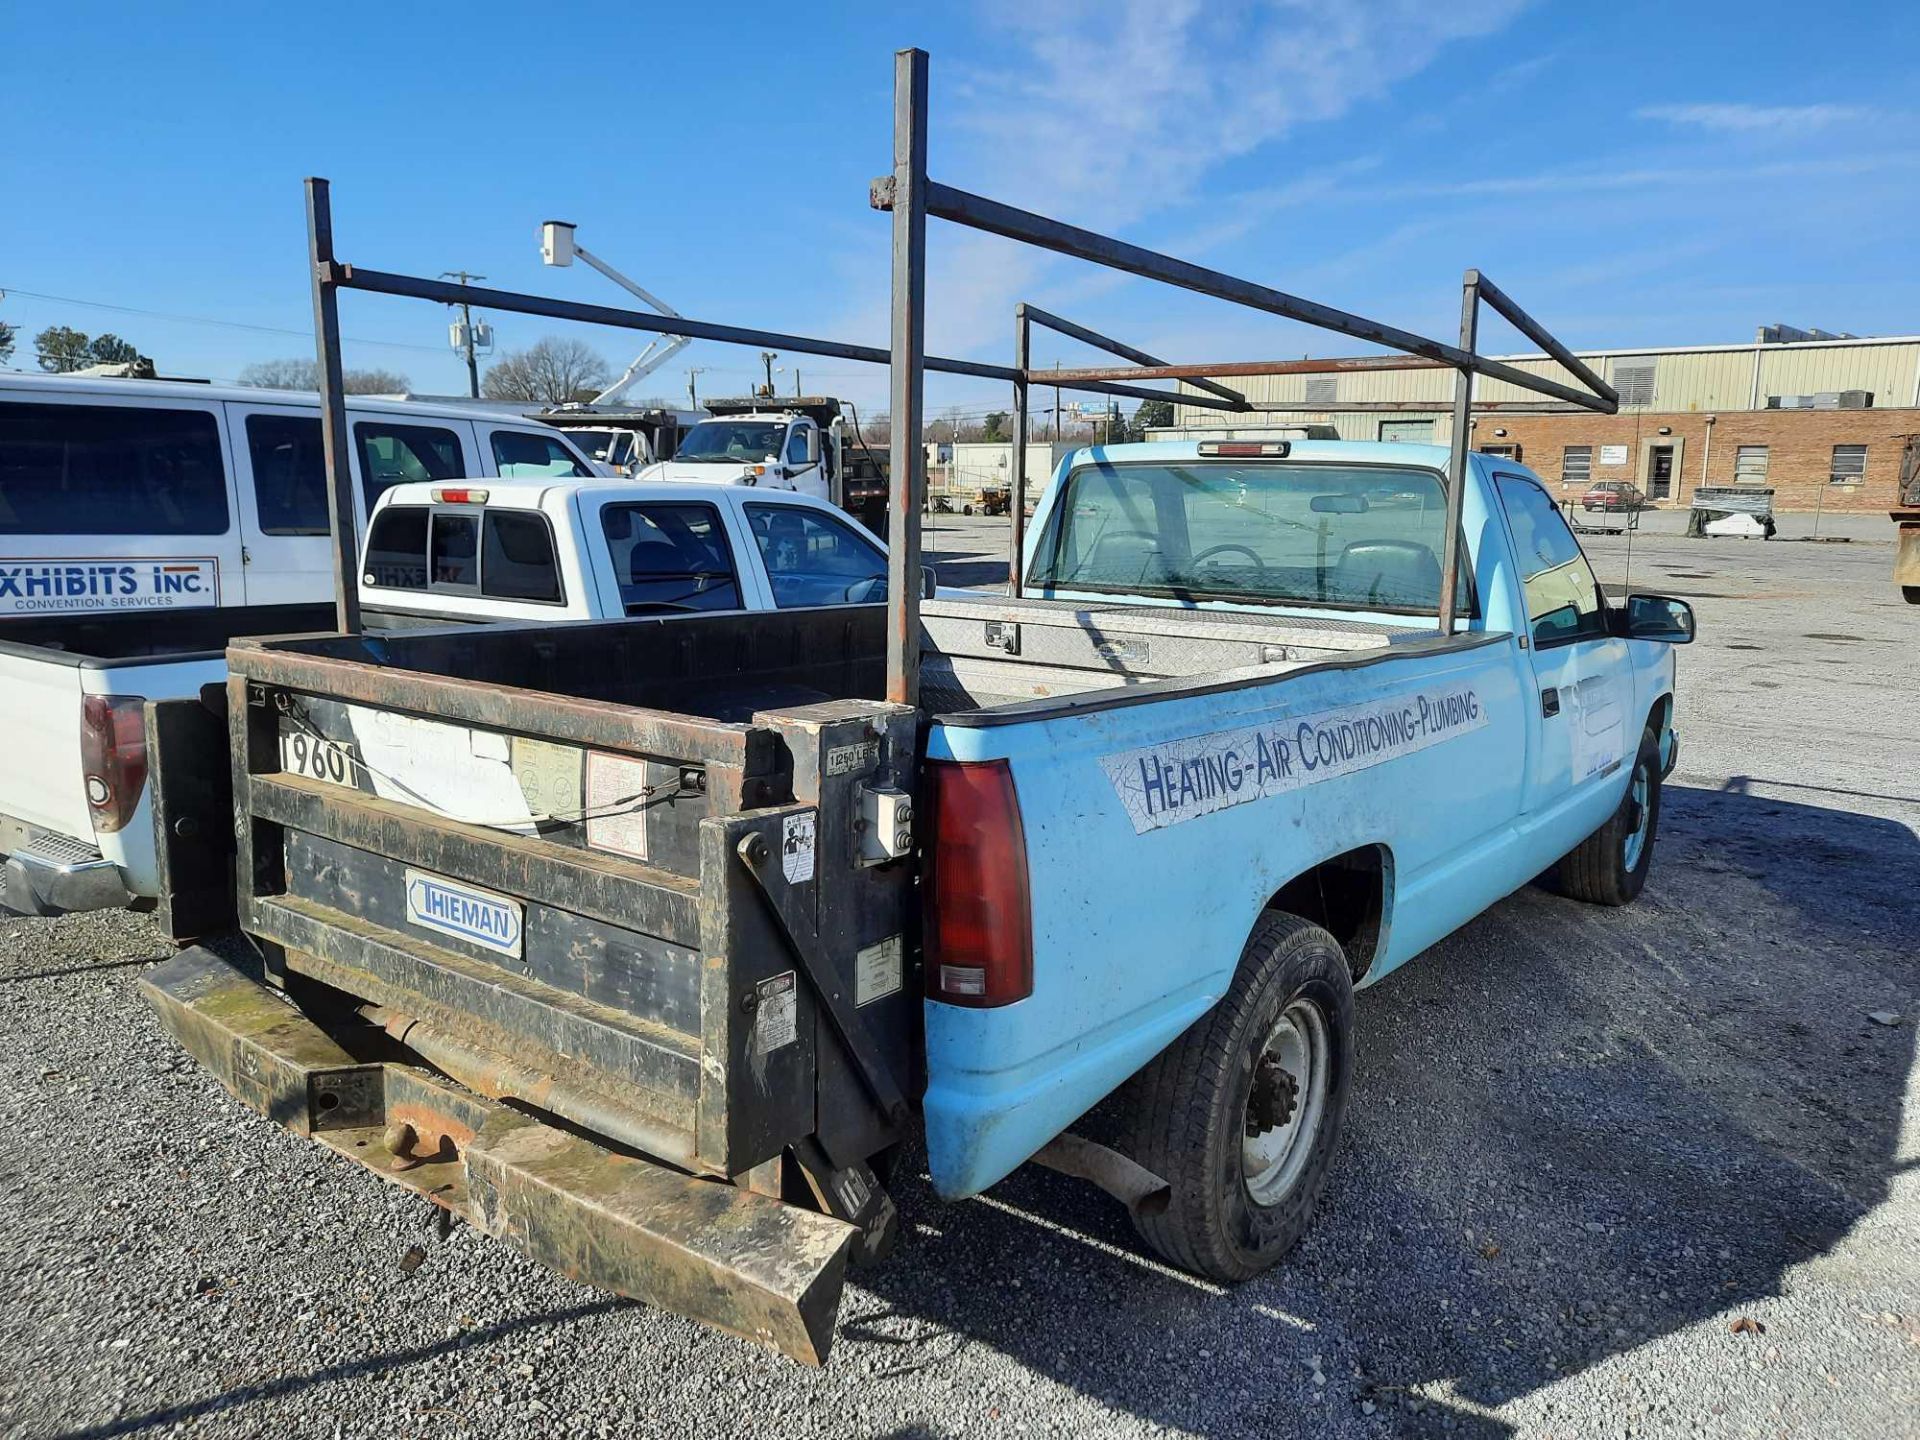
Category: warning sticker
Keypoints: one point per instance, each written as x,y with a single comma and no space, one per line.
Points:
876,971
549,776
776,1013
796,846
616,804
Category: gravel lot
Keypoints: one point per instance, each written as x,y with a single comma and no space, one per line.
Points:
1583,1145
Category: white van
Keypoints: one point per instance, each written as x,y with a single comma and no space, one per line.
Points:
162,495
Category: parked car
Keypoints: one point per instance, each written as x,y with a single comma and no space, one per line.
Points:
1613,495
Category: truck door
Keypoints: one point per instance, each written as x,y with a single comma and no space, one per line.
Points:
809,477
282,482
1579,728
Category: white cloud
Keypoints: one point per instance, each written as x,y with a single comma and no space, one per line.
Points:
1106,114
1744,119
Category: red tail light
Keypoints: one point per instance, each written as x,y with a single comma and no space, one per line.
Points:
113,753
979,919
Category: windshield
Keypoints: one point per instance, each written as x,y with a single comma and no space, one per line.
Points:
731,441
597,443
1351,537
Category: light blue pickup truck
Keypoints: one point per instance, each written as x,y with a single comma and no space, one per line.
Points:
1211,870
581,918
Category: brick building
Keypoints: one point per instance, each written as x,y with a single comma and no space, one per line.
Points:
1822,422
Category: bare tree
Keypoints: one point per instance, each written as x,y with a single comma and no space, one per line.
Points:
553,372
305,375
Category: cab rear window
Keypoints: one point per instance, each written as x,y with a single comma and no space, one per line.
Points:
500,554
110,470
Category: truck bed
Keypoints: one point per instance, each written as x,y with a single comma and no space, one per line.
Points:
157,636
979,654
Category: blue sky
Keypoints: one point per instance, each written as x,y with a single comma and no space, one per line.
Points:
1632,173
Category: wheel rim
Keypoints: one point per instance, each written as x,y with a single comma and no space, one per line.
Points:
1296,1064
1639,815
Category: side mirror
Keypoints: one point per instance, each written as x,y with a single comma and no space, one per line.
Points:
929,582
1656,617
813,445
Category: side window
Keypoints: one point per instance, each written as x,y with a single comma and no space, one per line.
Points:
797,446
453,551
516,557
289,474
519,455
670,557
110,470
811,558
1563,599
397,548
393,454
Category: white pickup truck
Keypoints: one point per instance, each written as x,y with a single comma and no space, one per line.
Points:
76,828
600,551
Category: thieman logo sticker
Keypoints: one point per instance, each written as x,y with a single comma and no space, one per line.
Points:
477,916
1184,779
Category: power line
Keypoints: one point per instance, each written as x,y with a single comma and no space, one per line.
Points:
207,320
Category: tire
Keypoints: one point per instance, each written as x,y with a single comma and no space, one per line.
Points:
1190,1107
1606,868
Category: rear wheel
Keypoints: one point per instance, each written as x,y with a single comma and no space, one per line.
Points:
1610,866
1242,1113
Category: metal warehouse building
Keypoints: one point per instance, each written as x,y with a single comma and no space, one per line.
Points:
1823,421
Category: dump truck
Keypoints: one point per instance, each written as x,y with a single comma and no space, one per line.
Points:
648,946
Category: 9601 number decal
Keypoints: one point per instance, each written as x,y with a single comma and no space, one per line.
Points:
316,758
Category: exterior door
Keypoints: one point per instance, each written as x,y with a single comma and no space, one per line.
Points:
1660,472
1578,716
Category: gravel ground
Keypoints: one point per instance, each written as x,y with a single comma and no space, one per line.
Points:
1584,1146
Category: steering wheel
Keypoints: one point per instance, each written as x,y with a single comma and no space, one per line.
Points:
1212,550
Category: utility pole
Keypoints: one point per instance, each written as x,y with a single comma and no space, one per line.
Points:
796,382
1056,406
466,329
767,357
693,395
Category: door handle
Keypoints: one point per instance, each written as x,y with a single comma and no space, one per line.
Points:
1549,702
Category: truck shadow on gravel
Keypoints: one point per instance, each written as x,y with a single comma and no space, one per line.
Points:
1573,1131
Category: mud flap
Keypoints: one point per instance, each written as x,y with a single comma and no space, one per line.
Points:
742,1262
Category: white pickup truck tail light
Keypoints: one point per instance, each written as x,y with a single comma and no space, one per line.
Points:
113,757
460,496
1246,449
979,915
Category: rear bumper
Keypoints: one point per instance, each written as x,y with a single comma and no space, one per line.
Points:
736,1260
55,875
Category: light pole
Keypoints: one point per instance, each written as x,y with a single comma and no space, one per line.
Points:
767,357
693,395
